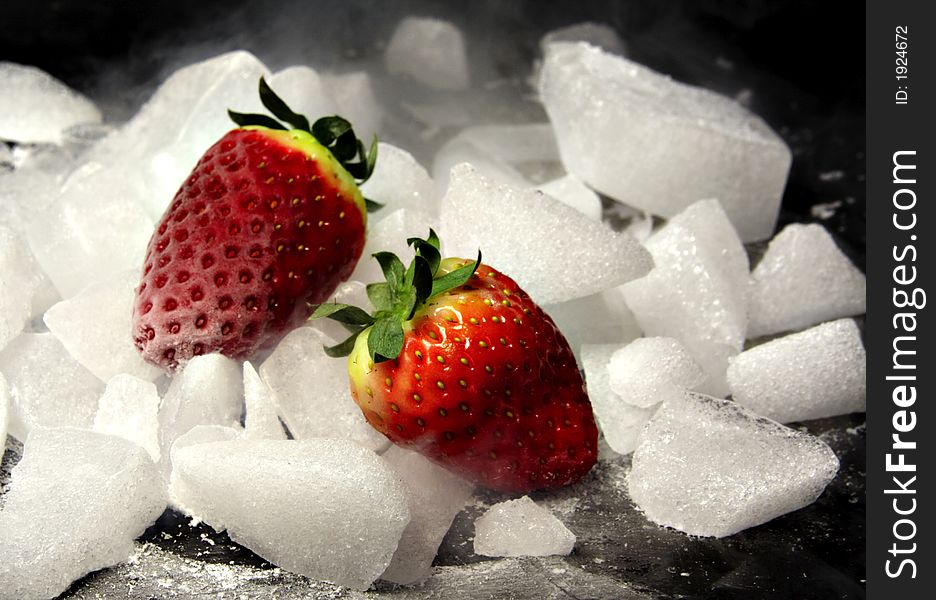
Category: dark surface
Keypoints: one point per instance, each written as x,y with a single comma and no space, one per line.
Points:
802,64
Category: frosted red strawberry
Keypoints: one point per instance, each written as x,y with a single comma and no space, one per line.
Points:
269,221
460,364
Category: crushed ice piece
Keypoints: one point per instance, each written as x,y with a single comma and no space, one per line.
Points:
75,237
697,292
16,284
803,279
498,151
260,420
399,181
659,145
48,387
4,412
599,35
431,51
825,210
650,370
76,502
570,190
305,91
711,467
620,421
36,107
324,508
94,325
354,95
311,391
521,528
389,234
831,176
584,257
812,374
129,408
434,496
208,391
601,318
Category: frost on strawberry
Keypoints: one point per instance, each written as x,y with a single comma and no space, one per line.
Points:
458,363
269,222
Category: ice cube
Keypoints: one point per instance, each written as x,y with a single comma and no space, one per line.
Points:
356,101
553,251
208,391
324,508
697,291
500,152
711,467
75,238
521,528
570,190
659,145
304,91
650,370
312,392
36,107
599,35
620,421
390,235
601,318
260,420
431,51
76,502
200,434
94,325
816,373
434,497
398,181
129,409
48,387
803,279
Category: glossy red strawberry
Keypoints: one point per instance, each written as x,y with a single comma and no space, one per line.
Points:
269,221
460,364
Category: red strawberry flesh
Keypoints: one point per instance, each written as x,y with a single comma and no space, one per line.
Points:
266,223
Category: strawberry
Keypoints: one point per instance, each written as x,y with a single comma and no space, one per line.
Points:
461,365
269,222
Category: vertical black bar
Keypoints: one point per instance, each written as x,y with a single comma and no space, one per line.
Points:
901,166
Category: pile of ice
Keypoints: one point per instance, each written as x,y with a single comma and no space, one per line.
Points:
275,451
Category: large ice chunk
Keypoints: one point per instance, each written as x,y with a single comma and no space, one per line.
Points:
398,181
601,318
305,91
129,409
710,467
434,497
260,420
659,145
431,51
390,235
597,34
620,421
570,190
803,279
356,101
200,434
521,528
208,391
650,370
75,238
48,387
76,502
816,373
94,326
311,391
325,508
553,251
36,107
16,284
697,291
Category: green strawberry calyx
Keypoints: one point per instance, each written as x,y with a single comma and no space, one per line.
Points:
397,299
334,133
